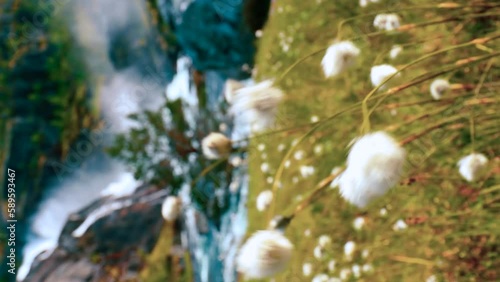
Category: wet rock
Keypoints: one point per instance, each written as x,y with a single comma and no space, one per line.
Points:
112,248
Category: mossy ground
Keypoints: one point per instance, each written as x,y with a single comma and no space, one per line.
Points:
452,225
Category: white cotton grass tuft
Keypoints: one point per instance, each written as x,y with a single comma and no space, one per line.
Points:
380,73
299,155
431,278
380,21
392,22
307,269
472,166
306,170
399,225
367,268
216,146
307,232
383,212
374,165
331,265
318,149
358,222
318,252
264,200
236,161
345,273
438,88
171,208
349,249
269,180
230,88
264,254
364,3
338,57
281,147
257,105
356,270
395,51
386,22
324,241
264,167
322,277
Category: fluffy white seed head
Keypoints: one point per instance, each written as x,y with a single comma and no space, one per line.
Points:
380,73
349,249
386,22
171,208
431,278
363,3
374,165
307,269
383,212
472,166
345,273
367,268
264,254
395,50
324,241
356,270
358,222
331,265
306,170
264,200
399,225
307,232
299,155
438,88
264,167
318,252
230,88
262,97
281,147
257,105
318,149
379,21
320,278
339,56
216,146
392,22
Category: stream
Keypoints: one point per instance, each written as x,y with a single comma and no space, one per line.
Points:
131,75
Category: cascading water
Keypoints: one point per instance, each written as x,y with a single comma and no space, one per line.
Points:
133,83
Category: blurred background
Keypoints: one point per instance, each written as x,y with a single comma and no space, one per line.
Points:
83,89
104,103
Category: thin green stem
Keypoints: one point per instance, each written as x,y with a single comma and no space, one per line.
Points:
424,7
423,78
320,188
279,171
476,93
364,105
300,61
490,189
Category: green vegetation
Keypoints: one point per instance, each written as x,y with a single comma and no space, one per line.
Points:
44,99
452,224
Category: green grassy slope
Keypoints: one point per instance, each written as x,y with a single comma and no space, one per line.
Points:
452,231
